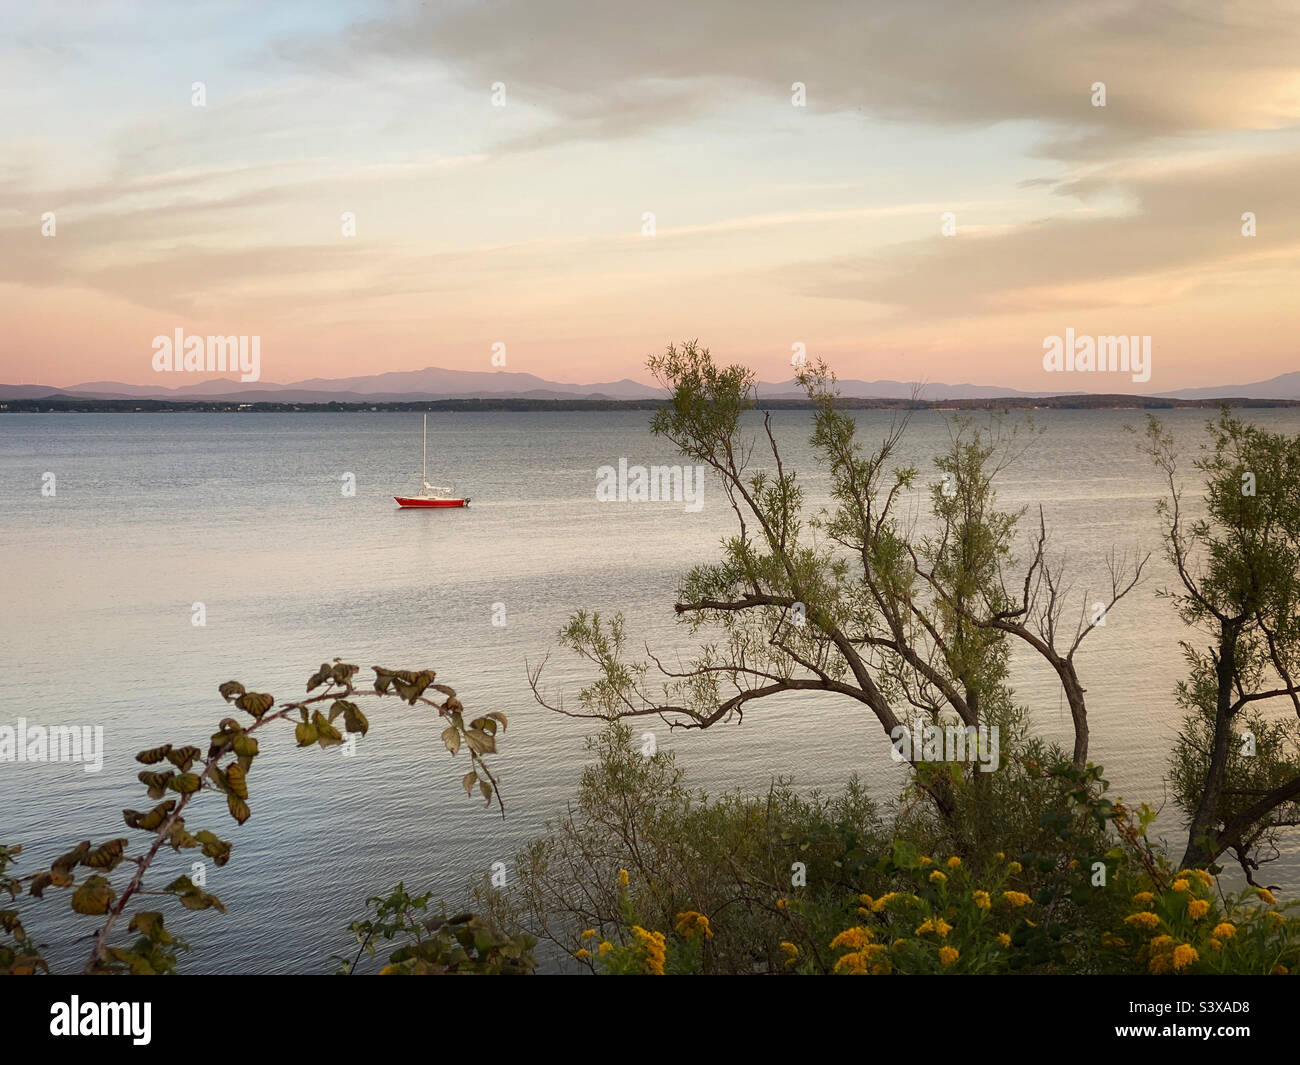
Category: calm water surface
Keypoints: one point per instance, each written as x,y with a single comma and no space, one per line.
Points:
245,514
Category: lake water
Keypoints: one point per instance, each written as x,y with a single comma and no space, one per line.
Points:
245,514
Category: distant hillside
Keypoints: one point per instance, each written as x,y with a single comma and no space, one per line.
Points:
433,384
1284,386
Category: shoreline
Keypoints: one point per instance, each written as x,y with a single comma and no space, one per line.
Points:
72,405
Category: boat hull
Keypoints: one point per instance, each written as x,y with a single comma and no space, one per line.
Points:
416,501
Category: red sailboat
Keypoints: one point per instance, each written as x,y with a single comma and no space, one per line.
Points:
432,496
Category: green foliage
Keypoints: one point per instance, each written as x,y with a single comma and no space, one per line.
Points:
909,621
685,851
436,944
1236,766
643,876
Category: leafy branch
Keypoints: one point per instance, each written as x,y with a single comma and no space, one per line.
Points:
231,752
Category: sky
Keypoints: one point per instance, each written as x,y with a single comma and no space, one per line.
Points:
586,181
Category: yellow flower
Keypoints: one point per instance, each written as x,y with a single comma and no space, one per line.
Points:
864,911
953,862
656,950
865,900
1160,963
927,861
855,938
942,927
981,899
782,904
884,901
1110,940
853,964
869,960
926,926
1144,919
790,951
1004,939
1266,895
1200,875
1198,908
1144,898
1180,884
1000,856
937,877
1279,970
948,955
1016,899
1015,867
1160,942
1184,955
583,955
1224,930
690,924
1215,944
622,878
589,933
605,947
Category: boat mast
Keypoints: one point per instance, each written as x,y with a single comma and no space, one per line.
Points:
424,474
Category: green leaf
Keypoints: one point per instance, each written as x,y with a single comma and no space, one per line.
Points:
186,783
95,896
155,782
319,677
214,846
238,808
182,757
107,855
355,721
65,863
326,734
149,923
235,781
231,689
255,703
154,755
342,673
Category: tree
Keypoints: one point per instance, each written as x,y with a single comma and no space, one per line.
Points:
910,623
1236,770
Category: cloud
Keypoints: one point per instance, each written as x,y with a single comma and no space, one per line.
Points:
1180,228
607,70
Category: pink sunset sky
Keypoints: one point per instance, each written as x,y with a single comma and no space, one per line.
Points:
774,224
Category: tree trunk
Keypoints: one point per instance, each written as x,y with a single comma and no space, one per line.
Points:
1202,847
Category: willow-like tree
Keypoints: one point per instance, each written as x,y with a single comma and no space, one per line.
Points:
1236,765
911,624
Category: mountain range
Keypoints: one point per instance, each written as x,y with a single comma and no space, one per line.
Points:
434,383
